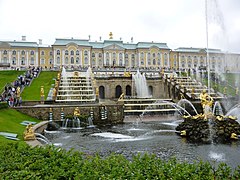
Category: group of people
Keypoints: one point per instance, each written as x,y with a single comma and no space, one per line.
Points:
12,92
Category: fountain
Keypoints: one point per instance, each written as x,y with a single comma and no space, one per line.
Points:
76,87
211,126
141,85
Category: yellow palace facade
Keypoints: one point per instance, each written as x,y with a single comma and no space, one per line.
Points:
80,53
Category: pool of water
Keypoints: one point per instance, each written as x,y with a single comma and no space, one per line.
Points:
156,137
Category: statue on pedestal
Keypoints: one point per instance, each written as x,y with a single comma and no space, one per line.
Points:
76,112
29,133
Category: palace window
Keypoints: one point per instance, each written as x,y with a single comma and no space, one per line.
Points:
126,63
23,61
100,63
42,53
153,55
142,61
86,61
93,55
126,56
42,61
50,61
120,62
189,63
107,55
107,62
165,59
85,53
58,60
159,56
72,53
133,56
77,52
120,55
5,60
93,62
77,60
100,55
114,55
149,56
159,62
13,61
32,53
58,52
23,52
66,60
72,60
5,52
14,52
50,53
149,62
66,52
142,55
154,61
32,61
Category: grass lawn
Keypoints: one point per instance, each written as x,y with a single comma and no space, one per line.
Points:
8,77
45,79
10,120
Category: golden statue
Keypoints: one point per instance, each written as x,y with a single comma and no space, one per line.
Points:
234,136
206,99
121,97
76,112
58,76
75,74
29,133
225,90
42,91
110,35
18,91
97,91
127,74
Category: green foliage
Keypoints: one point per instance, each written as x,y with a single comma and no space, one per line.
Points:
45,79
3,105
8,77
10,120
19,161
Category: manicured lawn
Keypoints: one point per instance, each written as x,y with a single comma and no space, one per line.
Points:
45,79
8,77
10,120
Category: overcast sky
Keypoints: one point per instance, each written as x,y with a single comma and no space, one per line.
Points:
179,23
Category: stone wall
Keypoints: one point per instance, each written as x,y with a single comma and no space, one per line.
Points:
42,112
111,83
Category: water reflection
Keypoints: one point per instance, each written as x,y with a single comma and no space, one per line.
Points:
146,137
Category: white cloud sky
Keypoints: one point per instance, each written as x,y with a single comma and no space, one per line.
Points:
179,23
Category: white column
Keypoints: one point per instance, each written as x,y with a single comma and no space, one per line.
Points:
9,57
54,57
123,59
80,58
110,59
146,65
63,60
18,58
104,59
89,58
36,60
27,59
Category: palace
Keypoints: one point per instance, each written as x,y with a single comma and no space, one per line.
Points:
80,53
